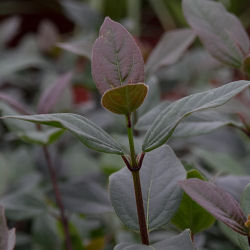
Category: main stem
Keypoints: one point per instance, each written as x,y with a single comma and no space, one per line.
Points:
57,193
137,185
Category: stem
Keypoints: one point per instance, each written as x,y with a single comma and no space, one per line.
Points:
137,184
57,193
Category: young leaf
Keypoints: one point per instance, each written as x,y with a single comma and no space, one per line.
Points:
190,214
174,243
218,202
86,131
168,119
125,99
116,59
170,48
224,38
159,174
51,95
7,237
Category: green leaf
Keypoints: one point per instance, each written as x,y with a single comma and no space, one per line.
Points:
170,48
168,119
174,243
7,237
160,172
220,31
86,131
125,99
190,214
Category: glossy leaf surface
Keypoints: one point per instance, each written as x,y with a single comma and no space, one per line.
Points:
190,214
217,201
220,31
168,119
125,99
160,172
116,59
86,131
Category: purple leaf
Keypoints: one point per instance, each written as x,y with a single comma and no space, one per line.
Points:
218,202
116,59
51,95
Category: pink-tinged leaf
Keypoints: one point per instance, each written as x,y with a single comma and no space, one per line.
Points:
125,99
220,31
116,59
216,201
52,94
14,104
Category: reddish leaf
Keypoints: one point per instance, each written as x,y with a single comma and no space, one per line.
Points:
125,99
218,202
116,59
51,95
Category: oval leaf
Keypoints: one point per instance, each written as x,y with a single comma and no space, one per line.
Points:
116,59
226,38
168,119
125,99
159,174
218,202
87,132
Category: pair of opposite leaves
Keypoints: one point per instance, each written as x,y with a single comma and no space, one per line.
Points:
118,69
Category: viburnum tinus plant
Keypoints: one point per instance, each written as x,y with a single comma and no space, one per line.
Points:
146,194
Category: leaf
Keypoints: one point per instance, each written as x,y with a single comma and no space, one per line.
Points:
7,237
216,201
169,49
81,46
190,214
245,200
116,59
23,204
43,137
125,99
167,120
224,38
130,246
86,131
173,243
81,14
238,239
94,199
203,123
51,95
160,172
176,242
